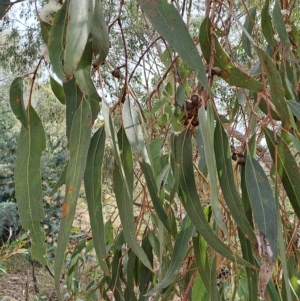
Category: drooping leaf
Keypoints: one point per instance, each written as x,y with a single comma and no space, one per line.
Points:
266,25
93,190
79,142
279,24
287,168
200,249
180,250
295,108
168,22
80,17
181,146
17,102
230,73
134,130
227,182
124,196
129,293
28,183
252,277
276,85
248,25
58,90
73,99
262,201
83,74
56,41
45,30
100,34
207,132
4,6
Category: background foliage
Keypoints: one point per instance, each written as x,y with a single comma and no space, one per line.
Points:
186,114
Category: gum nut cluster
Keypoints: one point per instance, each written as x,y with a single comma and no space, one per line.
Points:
192,105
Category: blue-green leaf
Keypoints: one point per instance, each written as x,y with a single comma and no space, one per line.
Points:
79,23
16,100
262,201
79,142
93,190
28,182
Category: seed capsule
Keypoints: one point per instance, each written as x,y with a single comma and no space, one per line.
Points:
195,100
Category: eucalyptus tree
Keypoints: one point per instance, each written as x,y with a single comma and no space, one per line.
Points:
202,118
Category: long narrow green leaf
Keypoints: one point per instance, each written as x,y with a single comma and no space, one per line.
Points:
28,183
79,141
276,85
287,168
153,191
262,201
17,102
248,25
83,74
56,40
252,275
79,24
279,24
134,130
200,250
266,25
125,199
4,6
295,108
73,99
93,190
227,182
208,136
168,22
181,145
230,73
180,249
58,90
100,34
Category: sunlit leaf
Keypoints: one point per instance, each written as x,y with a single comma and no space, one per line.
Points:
248,25
262,201
79,142
168,22
28,182
58,90
16,100
227,182
230,73
287,168
180,250
56,41
93,190
79,23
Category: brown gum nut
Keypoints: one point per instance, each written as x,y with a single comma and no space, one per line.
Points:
194,111
189,105
195,100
